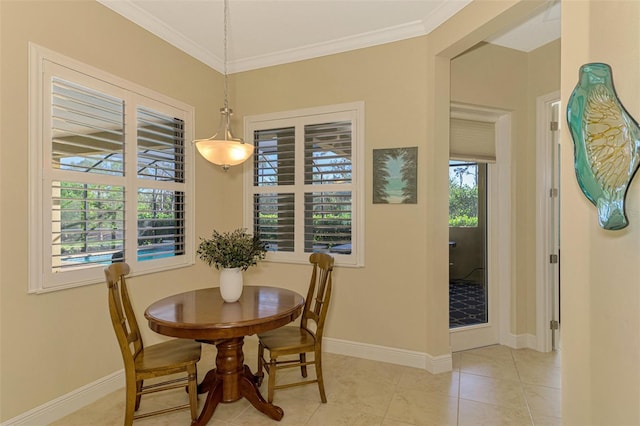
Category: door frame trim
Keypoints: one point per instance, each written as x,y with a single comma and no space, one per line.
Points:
544,306
499,223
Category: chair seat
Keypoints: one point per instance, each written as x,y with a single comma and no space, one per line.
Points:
176,353
287,340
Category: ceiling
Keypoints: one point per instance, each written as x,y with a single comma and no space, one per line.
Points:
263,33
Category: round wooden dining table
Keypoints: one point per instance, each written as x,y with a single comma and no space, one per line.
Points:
202,315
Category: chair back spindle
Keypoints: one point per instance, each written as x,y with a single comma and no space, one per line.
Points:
318,294
122,316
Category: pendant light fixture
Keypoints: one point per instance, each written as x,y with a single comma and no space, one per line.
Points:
223,148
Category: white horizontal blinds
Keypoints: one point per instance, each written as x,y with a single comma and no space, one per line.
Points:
274,220
87,129
274,168
327,153
328,213
161,208
160,146
274,159
87,139
472,140
87,224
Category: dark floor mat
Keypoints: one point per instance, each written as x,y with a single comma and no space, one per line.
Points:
467,304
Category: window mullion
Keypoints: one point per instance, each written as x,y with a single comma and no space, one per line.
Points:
132,182
299,186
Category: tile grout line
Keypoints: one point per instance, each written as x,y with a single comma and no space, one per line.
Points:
386,412
524,394
313,414
458,399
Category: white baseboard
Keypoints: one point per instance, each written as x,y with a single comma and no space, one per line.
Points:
521,341
66,404
433,364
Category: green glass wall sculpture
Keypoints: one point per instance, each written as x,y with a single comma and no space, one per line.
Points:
606,143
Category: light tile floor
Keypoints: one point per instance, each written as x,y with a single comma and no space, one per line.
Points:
494,385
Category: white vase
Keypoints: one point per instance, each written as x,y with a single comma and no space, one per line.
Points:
231,284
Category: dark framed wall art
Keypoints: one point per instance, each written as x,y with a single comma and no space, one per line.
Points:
395,176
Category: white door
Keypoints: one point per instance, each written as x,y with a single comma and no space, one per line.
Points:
548,221
472,282
555,229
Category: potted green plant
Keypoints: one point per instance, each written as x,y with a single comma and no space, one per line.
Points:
231,253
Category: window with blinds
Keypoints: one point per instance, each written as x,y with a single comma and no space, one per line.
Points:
305,185
116,178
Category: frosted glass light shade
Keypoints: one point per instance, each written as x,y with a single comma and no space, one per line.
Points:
223,148
225,153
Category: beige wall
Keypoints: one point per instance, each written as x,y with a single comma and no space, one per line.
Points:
388,294
55,343
600,269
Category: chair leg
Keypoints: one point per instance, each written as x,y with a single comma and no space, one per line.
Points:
260,372
318,362
272,380
193,391
131,398
139,385
303,368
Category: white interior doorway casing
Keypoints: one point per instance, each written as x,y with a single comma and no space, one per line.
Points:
547,291
499,241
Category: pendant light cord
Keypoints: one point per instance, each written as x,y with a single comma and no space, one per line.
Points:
223,148
226,83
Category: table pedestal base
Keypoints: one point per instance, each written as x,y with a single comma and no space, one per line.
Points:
230,381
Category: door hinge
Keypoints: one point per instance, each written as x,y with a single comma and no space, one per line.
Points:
553,192
553,258
554,325
554,126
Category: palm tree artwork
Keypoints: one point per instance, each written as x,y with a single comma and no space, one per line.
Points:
395,173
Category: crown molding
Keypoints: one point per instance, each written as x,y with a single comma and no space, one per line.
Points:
144,19
360,41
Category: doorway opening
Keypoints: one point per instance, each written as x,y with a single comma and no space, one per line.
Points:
468,290
488,130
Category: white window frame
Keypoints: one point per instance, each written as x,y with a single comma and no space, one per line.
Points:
43,64
353,112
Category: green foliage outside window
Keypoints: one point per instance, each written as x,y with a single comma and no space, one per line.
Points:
93,216
463,195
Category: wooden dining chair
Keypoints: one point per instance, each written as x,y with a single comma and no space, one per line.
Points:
307,338
140,362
